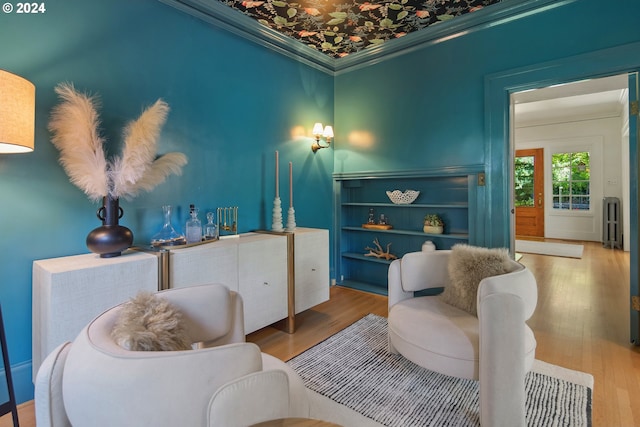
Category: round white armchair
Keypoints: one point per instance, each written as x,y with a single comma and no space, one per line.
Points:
495,347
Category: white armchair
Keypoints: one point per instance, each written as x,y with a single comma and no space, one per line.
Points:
496,347
95,382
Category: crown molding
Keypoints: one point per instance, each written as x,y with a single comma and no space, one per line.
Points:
225,17
443,171
216,13
490,16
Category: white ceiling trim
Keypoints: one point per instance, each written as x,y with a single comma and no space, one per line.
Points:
590,99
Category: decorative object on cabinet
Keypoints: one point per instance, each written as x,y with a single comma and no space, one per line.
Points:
433,224
75,132
193,227
276,213
167,236
111,238
452,192
227,221
318,132
403,197
291,217
210,228
378,252
17,114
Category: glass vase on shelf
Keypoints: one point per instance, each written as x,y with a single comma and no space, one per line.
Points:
167,236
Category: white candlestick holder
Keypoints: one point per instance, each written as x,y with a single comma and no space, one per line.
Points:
276,222
291,220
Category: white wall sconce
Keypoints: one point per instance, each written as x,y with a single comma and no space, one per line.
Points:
17,113
318,132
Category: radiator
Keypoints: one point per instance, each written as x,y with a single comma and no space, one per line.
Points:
611,222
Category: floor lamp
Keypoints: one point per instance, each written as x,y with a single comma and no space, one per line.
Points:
17,130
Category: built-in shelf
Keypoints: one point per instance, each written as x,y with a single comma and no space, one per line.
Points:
456,236
410,206
451,193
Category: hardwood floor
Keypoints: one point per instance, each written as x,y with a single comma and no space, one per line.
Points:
581,322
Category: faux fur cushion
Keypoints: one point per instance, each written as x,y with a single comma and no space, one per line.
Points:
468,265
150,323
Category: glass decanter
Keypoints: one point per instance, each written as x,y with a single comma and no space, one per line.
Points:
210,228
167,236
193,227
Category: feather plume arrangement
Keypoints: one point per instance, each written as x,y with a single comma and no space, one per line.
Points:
75,125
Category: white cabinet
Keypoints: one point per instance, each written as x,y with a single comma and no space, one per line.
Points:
213,262
252,264
69,292
311,255
263,279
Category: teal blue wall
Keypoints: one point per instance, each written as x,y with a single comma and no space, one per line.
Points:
446,104
426,108
232,103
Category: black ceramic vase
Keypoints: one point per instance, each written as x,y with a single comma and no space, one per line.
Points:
110,239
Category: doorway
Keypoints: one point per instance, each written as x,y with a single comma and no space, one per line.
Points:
626,180
583,118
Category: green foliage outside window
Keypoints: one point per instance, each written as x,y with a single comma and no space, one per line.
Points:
524,181
571,174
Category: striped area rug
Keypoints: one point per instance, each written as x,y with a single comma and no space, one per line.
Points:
354,368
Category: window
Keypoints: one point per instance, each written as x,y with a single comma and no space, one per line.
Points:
571,174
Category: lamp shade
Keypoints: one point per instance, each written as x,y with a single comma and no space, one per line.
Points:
17,113
317,129
328,132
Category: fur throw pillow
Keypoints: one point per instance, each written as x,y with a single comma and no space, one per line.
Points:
150,323
468,265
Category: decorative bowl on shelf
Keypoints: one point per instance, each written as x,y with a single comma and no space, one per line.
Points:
403,197
433,229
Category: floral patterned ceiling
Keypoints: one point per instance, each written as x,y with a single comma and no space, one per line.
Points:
341,27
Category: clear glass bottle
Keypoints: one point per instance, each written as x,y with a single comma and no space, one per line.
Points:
167,236
193,229
372,218
210,228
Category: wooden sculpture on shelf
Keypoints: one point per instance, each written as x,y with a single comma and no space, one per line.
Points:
378,252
